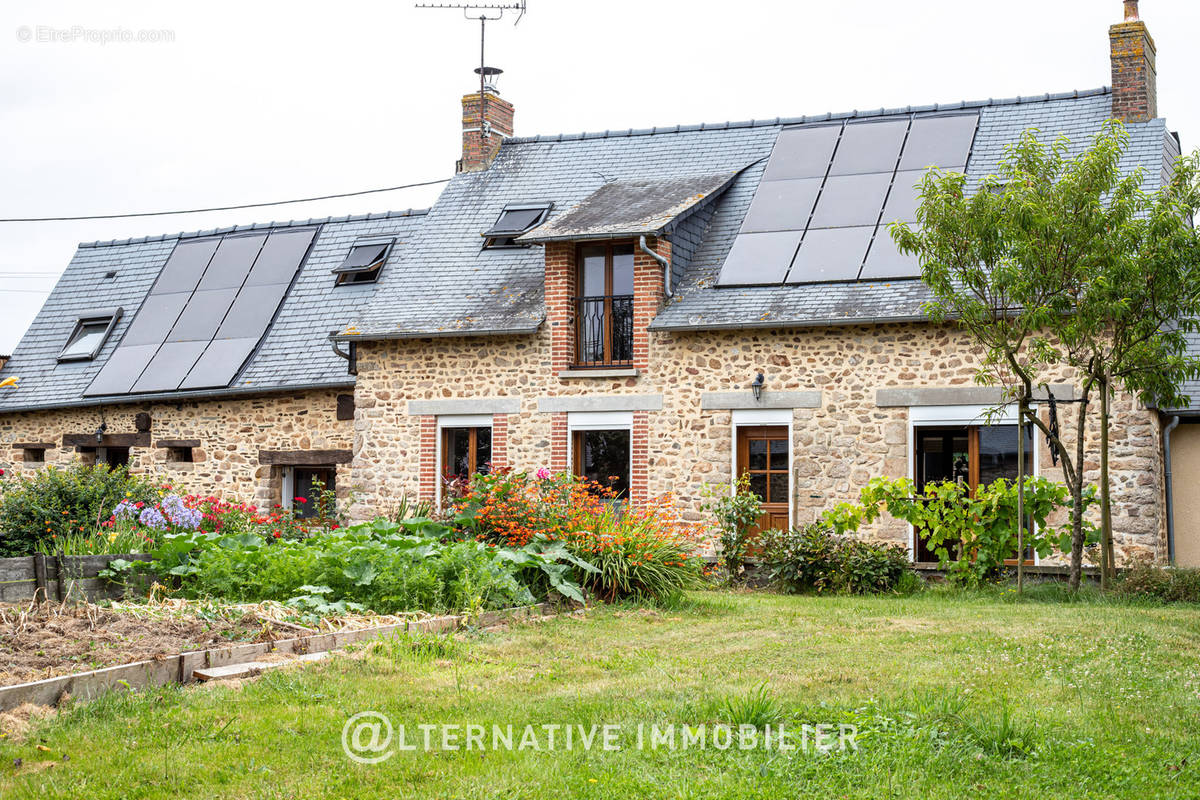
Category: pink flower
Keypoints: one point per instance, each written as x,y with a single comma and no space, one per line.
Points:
543,474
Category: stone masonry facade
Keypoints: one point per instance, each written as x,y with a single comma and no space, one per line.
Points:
837,447
230,436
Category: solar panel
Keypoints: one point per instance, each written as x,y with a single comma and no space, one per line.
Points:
802,152
155,318
280,257
220,363
831,254
122,368
227,287
231,262
169,366
940,142
850,200
782,205
187,263
759,258
252,312
202,316
869,147
885,261
905,197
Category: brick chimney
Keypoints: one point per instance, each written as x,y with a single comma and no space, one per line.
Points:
1134,76
480,147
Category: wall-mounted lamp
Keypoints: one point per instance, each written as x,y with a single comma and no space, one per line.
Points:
757,386
100,432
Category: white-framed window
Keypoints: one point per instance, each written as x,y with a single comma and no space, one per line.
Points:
601,448
964,444
464,448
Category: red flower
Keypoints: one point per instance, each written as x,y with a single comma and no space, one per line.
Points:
277,534
334,527
300,499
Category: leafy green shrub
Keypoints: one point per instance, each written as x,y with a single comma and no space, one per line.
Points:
384,566
55,502
735,515
972,535
814,558
1169,584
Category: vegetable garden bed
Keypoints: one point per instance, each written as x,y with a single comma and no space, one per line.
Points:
149,648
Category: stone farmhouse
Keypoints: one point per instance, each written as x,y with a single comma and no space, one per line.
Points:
658,309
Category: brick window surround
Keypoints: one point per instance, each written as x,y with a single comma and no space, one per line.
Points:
561,287
639,444
429,468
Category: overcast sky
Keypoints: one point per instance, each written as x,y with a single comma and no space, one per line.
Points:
265,100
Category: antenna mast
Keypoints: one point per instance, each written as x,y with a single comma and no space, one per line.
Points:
485,13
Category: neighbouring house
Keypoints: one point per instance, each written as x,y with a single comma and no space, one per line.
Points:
658,309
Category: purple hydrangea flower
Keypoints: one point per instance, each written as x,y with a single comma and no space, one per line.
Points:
180,515
125,510
151,517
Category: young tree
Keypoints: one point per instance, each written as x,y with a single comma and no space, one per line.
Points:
1025,264
1133,315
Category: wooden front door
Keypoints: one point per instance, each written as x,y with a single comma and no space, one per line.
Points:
764,454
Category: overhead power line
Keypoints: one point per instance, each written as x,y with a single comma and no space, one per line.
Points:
222,208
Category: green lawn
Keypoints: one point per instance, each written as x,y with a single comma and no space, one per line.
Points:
953,696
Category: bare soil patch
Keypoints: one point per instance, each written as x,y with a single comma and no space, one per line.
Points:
44,641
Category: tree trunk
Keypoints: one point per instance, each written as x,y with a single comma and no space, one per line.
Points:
1022,411
1107,565
1077,538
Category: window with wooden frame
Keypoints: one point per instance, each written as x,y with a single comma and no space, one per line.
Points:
972,455
603,457
604,307
466,452
307,485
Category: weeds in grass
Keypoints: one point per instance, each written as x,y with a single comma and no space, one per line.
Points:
419,647
757,708
1004,736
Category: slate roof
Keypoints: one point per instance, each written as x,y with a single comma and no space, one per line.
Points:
294,353
441,282
640,207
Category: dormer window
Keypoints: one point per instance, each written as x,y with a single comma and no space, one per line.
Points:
363,263
89,335
514,220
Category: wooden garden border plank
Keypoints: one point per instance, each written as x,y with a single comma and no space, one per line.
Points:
181,668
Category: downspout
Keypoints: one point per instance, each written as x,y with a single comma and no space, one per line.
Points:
666,265
1172,425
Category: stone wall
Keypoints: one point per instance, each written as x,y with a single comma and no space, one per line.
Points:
837,446
231,432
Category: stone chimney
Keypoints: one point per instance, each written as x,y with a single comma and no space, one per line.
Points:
479,147
1134,76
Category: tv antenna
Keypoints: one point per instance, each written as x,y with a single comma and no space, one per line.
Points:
485,13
